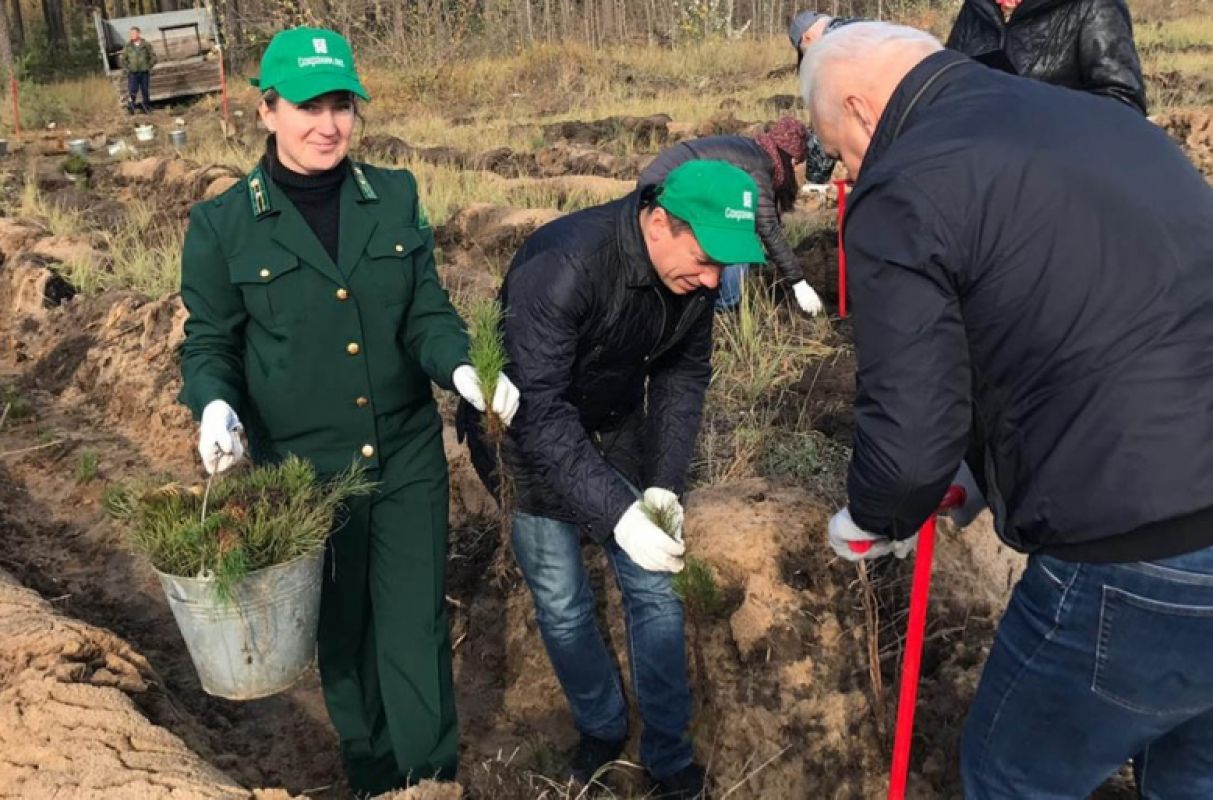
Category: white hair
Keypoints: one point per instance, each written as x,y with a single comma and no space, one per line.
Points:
852,47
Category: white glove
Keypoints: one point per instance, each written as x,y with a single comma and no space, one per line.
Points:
505,398
657,497
218,443
646,544
849,540
975,501
806,298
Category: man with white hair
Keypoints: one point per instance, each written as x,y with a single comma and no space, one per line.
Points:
1032,274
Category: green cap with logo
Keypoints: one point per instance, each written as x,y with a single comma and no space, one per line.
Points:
303,63
718,201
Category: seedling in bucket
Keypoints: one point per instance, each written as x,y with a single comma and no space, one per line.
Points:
241,565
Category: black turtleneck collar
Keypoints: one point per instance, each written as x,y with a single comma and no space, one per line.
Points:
317,196
288,178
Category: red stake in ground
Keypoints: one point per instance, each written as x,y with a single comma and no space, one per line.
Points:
842,253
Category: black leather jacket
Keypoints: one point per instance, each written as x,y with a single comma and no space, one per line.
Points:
612,368
1080,44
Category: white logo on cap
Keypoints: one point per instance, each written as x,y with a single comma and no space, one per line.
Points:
320,45
747,199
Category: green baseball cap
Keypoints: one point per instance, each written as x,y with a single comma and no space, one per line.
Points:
302,63
718,201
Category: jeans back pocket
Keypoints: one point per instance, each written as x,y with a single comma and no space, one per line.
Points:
1153,656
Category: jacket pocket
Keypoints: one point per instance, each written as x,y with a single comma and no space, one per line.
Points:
270,296
391,263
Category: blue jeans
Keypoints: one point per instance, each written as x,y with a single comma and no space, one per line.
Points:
549,554
1094,665
138,83
731,279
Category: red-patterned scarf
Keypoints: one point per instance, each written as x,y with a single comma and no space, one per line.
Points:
788,135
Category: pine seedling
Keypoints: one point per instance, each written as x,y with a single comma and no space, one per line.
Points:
256,518
486,350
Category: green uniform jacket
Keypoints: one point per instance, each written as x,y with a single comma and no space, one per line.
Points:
332,362
138,57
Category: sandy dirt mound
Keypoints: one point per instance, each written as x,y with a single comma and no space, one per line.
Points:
67,724
493,231
577,159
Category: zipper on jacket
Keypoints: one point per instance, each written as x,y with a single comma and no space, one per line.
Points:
657,348
684,322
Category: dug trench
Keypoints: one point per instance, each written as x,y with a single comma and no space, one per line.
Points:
793,708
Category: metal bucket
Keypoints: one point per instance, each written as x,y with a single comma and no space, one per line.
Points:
78,147
263,640
177,138
145,133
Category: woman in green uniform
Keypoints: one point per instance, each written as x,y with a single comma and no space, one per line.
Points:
317,324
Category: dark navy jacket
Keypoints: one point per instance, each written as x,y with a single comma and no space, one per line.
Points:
1040,260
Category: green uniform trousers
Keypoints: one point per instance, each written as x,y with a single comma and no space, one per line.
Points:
384,640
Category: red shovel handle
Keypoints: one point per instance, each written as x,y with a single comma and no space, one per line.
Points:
915,632
841,186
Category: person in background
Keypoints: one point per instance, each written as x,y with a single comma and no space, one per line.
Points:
804,29
1000,265
318,326
1080,44
770,159
137,59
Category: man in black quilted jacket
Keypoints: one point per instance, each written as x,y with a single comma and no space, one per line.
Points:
608,324
1045,257
1080,44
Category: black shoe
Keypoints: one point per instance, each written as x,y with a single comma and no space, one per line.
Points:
591,755
130,109
687,783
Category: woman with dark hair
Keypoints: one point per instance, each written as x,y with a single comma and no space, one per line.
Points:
317,325
770,159
1081,44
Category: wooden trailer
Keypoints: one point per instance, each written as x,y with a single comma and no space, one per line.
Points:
187,60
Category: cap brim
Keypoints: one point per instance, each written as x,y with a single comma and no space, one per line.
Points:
729,246
307,87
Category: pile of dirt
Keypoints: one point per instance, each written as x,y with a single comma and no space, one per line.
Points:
493,231
179,177
574,159
628,131
68,723
502,161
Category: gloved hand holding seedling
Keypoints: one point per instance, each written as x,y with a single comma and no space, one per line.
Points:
695,583
484,377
